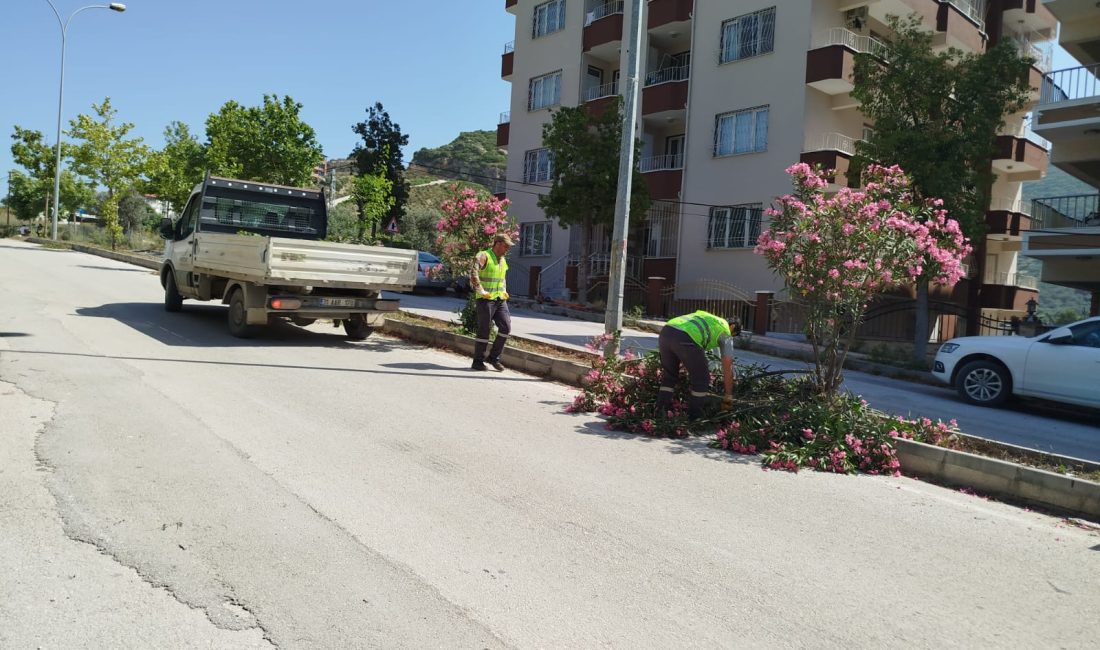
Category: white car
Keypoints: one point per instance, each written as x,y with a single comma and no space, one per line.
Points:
1062,365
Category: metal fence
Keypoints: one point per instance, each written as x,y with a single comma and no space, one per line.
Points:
716,296
1073,211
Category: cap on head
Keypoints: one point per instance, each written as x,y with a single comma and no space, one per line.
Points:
501,238
735,325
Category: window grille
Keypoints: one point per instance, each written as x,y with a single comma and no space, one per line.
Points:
744,131
549,17
535,238
538,166
734,226
748,35
662,229
545,91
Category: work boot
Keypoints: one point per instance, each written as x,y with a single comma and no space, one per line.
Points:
664,402
695,408
497,365
478,365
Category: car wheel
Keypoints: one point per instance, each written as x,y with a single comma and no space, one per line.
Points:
357,328
984,383
238,316
173,301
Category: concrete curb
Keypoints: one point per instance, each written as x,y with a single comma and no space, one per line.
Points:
129,258
539,365
1000,478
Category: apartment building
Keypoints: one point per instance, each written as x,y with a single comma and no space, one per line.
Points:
1065,230
733,93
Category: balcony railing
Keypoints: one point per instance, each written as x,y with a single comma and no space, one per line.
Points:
1011,205
661,163
592,93
1013,280
853,41
974,10
1074,211
509,47
665,75
505,117
834,142
603,11
1026,46
1070,84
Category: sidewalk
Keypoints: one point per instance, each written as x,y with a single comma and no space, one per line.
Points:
571,328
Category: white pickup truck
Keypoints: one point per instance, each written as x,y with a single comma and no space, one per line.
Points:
260,249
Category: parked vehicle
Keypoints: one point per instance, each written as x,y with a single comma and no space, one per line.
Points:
260,249
1061,365
430,275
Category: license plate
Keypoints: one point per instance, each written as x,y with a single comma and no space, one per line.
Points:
337,302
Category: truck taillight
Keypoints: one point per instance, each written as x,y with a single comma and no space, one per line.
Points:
285,303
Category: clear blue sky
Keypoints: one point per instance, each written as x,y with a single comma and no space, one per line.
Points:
434,64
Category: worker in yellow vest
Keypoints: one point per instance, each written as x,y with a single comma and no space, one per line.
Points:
685,340
489,284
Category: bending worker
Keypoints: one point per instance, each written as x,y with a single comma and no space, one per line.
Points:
487,281
685,340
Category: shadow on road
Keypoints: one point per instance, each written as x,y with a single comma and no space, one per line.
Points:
110,268
205,326
12,334
278,366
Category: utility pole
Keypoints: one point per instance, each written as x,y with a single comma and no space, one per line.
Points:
613,320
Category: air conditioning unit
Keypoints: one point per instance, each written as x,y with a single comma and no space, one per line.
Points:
856,19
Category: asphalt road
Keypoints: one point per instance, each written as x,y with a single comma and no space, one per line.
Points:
165,485
1066,431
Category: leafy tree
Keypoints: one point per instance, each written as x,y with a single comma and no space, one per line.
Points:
133,211
584,150
31,151
268,143
343,222
27,198
418,228
110,159
380,153
178,167
937,115
373,198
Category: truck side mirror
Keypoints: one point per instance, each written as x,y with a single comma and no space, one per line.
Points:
166,229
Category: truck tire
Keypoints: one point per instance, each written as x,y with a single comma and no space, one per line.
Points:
173,301
238,316
357,328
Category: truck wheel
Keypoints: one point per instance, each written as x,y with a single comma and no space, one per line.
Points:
173,301
984,383
357,328
238,316
303,322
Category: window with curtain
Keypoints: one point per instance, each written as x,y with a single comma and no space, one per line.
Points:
534,238
744,131
549,18
538,165
544,91
734,226
748,35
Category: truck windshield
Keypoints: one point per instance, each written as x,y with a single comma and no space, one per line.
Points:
231,210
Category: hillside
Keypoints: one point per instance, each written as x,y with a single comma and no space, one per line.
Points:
1053,298
473,156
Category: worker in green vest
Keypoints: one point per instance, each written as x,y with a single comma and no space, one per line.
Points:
685,340
489,284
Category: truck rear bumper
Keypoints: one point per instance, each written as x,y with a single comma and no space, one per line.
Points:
323,308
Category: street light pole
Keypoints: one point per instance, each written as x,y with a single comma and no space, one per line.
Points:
613,319
64,25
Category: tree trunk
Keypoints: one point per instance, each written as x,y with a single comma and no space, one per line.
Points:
974,295
920,327
582,268
361,226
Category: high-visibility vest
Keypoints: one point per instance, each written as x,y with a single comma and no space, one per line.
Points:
703,327
492,276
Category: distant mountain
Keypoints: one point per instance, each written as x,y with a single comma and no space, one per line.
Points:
472,156
1053,298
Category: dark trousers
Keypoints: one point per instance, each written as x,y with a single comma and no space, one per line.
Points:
677,348
489,312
